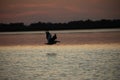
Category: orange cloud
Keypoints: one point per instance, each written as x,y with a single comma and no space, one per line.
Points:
13,15
58,10
32,5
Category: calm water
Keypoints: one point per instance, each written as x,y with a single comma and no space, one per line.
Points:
70,62
77,37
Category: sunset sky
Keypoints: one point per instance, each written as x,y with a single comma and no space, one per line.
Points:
29,11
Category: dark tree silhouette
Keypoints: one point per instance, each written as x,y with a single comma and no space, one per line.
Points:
41,26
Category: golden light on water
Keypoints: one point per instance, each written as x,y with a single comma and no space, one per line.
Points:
62,46
60,62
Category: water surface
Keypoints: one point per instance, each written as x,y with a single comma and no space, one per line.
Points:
70,62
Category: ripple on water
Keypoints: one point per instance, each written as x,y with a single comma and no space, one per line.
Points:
60,63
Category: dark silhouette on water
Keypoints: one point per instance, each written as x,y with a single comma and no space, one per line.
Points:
50,39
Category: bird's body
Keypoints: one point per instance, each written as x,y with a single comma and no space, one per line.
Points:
50,39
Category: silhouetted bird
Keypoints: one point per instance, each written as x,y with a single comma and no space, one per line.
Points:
48,36
54,37
50,39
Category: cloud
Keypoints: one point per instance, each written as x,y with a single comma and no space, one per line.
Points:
58,10
23,14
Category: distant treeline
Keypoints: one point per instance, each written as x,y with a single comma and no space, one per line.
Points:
40,26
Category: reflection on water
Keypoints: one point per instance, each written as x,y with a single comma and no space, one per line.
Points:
66,37
81,62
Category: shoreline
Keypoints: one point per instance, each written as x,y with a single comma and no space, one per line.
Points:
62,31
